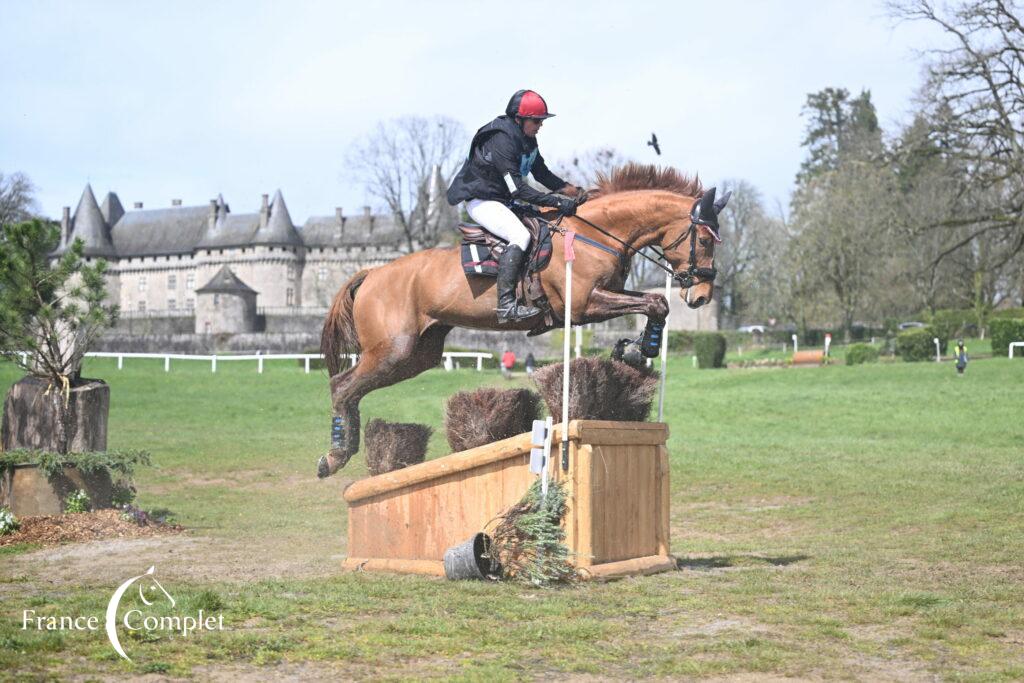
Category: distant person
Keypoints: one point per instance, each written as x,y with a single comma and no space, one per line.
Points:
960,355
531,363
508,361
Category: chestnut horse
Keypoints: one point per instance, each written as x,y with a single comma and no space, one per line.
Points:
396,316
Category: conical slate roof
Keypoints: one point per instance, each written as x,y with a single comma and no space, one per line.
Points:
280,230
111,209
226,282
88,225
439,211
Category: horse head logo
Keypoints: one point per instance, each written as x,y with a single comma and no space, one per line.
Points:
150,591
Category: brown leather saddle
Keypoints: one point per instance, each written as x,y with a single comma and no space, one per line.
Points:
481,251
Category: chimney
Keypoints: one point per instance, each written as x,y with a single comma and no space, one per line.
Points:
265,211
138,205
339,215
175,202
369,217
211,216
65,225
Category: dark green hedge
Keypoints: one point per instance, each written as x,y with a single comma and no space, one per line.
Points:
916,344
709,347
1004,331
861,353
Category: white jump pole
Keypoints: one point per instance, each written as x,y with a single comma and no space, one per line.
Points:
570,256
664,350
938,354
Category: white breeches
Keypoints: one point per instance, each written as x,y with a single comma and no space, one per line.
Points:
499,220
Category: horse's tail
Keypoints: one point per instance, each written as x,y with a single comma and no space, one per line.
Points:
339,334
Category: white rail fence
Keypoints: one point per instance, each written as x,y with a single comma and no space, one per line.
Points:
450,362
1014,345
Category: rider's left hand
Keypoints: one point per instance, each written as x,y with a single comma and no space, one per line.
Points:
569,190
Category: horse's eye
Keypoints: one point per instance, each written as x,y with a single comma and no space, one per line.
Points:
706,243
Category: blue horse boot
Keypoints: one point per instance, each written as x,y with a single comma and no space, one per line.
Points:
650,344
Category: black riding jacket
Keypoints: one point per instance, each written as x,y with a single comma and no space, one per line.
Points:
500,158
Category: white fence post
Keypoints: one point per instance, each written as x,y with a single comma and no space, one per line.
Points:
796,346
938,354
167,363
259,365
479,363
307,364
120,361
213,363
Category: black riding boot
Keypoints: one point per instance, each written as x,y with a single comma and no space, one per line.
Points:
508,275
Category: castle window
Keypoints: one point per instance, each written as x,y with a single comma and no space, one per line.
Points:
289,297
142,307
190,281
172,281
291,271
142,284
216,300
190,304
209,327
172,304
321,273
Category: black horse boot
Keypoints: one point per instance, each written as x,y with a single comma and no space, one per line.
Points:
509,310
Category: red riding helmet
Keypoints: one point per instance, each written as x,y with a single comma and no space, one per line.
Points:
527,104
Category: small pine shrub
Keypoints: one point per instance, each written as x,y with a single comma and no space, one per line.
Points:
916,344
77,502
856,354
1004,331
709,347
8,522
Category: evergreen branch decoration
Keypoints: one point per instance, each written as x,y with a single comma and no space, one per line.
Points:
529,538
120,462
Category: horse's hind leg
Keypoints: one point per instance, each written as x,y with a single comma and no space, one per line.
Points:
382,365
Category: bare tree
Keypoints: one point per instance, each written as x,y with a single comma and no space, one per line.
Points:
974,97
17,202
397,163
583,169
744,233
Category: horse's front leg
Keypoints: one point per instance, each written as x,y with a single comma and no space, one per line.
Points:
605,305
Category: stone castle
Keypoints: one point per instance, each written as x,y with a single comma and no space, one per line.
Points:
226,270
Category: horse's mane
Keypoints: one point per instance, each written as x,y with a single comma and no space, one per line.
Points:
634,176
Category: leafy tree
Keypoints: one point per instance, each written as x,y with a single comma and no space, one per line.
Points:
51,308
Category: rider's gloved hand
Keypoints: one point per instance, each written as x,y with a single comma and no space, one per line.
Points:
566,206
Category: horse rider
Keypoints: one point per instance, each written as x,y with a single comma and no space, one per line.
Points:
501,155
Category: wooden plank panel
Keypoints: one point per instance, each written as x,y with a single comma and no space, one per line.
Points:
584,520
664,503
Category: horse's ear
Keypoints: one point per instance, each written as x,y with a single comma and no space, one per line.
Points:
707,205
722,201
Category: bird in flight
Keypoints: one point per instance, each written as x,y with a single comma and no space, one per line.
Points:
653,142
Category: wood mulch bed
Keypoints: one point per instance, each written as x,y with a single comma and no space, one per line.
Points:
83,526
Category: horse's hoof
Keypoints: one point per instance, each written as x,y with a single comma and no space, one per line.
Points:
323,470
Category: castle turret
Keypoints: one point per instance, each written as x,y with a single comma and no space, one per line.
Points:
89,226
277,228
111,209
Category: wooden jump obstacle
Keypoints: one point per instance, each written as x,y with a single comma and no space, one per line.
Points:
811,357
617,485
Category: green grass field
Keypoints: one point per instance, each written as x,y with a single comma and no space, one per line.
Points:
831,523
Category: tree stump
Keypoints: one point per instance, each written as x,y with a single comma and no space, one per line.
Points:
30,417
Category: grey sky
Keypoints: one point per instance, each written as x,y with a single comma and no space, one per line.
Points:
187,99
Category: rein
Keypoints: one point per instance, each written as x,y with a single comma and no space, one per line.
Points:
686,279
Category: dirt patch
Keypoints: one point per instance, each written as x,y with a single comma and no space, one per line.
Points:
83,526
